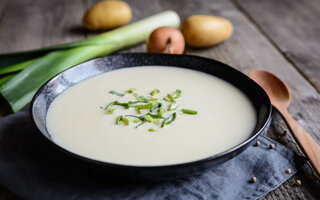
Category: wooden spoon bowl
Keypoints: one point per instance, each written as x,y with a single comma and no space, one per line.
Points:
277,90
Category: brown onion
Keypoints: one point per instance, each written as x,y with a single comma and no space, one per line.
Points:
166,40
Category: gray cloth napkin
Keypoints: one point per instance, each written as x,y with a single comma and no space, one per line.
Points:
34,170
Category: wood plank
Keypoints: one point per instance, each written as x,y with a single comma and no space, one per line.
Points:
248,49
3,6
294,28
33,24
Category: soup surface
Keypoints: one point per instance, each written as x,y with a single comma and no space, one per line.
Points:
77,121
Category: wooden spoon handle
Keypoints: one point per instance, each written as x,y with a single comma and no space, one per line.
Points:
306,142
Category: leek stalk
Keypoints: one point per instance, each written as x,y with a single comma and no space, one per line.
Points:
19,90
15,67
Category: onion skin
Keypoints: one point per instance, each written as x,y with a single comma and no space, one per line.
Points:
166,40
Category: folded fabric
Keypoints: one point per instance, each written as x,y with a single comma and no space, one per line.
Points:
33,170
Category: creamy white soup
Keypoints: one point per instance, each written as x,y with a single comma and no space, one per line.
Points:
77,120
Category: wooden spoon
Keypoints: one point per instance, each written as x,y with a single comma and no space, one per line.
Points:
280,97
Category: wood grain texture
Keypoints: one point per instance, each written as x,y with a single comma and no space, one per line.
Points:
29,24
3,8
293,27
40,23
306,142
248,49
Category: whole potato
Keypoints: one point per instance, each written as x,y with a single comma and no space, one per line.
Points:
204,31
107,14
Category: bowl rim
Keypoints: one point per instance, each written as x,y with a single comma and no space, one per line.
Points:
200,161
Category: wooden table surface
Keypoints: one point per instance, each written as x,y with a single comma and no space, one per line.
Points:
279,36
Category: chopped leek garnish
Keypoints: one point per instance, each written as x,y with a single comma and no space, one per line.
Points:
177,93
135,95
148,118
145,106
170,97
155,91
116,103
156,122
116,93
138,117
138,110
156,106
152,130
168,100
169,120
152,99
141,124
173,117
110,111
170,107
136,121
131,90
153,105
123,119
156,116
142,98
161,111
189,112
109,105
118,120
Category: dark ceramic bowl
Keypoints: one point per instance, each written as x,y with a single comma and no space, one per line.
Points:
49,91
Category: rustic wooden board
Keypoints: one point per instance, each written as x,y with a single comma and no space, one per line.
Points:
29,24
3,7
248,49
293,27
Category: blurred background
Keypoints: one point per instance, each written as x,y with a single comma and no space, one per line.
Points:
289,26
